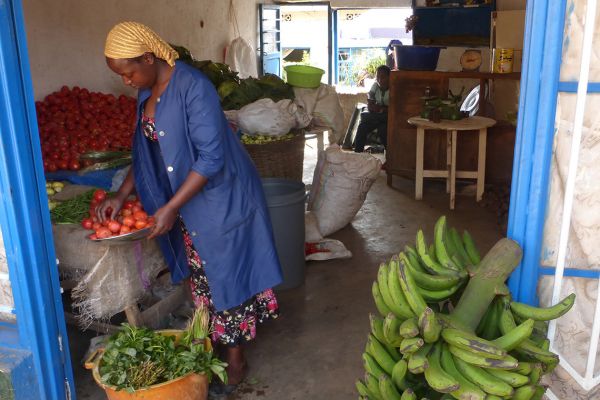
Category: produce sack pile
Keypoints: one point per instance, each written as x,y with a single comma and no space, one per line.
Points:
110,277
80,129
450,329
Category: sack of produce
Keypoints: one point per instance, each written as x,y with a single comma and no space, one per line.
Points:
266,117
324,108
340,185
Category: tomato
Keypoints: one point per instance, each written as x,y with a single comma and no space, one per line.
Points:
135,209
74,165
96,226
62,164
126,213
140,215
124,229
93,236
140,224
128,205
87,223
128,221
99,195
114,226
103,233
51,166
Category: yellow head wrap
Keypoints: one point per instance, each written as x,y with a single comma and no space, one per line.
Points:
132,39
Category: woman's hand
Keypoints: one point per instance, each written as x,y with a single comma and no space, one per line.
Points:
164,219
112,204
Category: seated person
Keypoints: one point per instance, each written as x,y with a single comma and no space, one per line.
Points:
376,115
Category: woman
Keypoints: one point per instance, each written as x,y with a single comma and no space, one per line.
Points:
191,172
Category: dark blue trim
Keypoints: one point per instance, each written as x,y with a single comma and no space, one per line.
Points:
573,272
571,87
24,215
533,148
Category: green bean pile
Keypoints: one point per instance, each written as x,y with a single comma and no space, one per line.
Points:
72,211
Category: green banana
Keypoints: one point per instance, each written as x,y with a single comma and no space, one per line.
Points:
431,251
387,389
487,382
414,259
524,368
492,330
539,393
431,282
409,328
416,302
512,378
397,296
431,264
486,321
467,390
379,303
536,373
469,342
513,338
377,331
408,394
435,376
372,384
435,296
410,345
492,397
507,362
382,280
471,248
442,253
524,393
380,354
529,349
429,326
459,246
418,362
371,365
391,330
362,389
399,374
543,314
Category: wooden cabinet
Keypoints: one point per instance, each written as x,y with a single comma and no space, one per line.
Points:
406,90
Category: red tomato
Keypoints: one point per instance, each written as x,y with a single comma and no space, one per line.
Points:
51,166
93,236
140,215
63,164
135,209
140,224
99,195
128,205
124,229
74,165
96,226
125,212
87,223
114,226
103,233
128,221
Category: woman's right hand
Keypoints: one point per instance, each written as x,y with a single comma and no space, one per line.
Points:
109,208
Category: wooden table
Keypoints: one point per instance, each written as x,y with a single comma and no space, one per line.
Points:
450,173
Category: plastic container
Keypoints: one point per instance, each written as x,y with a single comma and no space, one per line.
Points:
416,58
285,200
304,76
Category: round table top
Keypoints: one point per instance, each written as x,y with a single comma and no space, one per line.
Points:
465,124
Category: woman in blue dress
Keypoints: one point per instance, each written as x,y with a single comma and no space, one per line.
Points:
192,173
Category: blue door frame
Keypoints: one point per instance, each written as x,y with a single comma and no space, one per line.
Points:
40,330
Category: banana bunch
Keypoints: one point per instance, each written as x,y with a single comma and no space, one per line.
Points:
262,139
53,187
421,347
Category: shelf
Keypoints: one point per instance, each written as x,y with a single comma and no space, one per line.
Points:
454,7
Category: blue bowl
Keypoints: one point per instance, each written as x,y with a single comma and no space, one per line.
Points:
416,58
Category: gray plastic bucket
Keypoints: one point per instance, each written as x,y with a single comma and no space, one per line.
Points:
285,200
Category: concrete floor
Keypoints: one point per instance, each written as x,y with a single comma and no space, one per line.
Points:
313,351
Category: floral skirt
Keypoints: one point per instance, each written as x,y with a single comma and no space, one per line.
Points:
234,326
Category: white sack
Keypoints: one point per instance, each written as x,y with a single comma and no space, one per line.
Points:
340,186
324,106
241,58
266,117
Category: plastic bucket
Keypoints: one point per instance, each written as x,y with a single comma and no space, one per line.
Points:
304,76
285,200
416,58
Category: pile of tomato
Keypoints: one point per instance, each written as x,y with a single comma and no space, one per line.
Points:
131,218
74,121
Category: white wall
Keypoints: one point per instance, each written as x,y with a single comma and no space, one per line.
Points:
66,37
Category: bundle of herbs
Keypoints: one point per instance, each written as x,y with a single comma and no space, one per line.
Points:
136,358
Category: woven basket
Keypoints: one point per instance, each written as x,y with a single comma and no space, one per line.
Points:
279,159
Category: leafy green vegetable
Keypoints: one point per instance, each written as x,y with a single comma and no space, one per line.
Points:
136,358
235,93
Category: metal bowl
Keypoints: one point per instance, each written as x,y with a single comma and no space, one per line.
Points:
128,237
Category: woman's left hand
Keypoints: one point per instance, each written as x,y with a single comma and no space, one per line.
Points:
164,219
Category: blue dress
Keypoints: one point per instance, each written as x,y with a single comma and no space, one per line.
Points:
228,220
